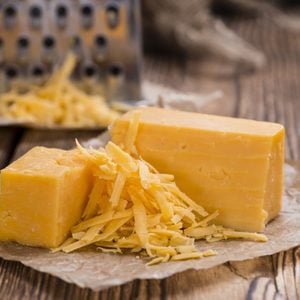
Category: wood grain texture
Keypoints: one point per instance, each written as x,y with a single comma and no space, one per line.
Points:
273,95
9,139
54,139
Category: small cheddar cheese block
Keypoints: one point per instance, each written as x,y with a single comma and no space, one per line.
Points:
42,195
231,165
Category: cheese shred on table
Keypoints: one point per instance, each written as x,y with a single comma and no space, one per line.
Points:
134,208
58,102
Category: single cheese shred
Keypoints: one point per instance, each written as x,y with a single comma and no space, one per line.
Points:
134,208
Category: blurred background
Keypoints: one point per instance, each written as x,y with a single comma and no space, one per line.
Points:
237,58
210,28
250,50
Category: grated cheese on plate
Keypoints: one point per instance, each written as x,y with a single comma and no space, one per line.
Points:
57,103
134,208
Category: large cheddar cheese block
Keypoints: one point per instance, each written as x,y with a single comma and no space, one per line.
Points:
42,196
231,165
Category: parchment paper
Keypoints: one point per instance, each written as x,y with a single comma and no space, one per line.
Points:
98,270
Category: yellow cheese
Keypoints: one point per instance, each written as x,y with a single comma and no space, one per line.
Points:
144,211
43,195
231,165
130,207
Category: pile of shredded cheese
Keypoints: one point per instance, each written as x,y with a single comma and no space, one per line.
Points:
57,103
132,207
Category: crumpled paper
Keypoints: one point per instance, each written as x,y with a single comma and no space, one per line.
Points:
153,94
163,96
96,270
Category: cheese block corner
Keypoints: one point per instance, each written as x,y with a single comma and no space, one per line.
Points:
227,164
42,195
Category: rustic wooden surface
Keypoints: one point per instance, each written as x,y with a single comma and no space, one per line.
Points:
272,94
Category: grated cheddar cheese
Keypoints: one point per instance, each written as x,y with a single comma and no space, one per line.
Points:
57,103
134,208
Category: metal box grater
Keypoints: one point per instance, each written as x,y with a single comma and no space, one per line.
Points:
36,35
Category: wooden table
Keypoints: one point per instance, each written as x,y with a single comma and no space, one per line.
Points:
273,95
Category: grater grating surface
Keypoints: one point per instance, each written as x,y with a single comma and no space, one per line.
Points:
36,35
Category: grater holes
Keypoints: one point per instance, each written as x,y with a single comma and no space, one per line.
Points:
49,42
116,70
37,71
99,51
23,42
11,72
100,41
112,15
10,11
35,11
89,71
26,41
61,11
87,10
75,41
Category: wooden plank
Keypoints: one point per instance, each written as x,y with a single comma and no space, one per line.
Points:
64,139
273,95
9,138
20,282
